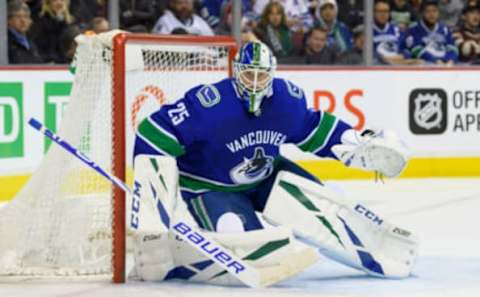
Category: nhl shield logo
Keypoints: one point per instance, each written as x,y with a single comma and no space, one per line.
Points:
428,111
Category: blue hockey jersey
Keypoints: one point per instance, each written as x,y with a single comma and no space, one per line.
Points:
387,41
220,146
431,45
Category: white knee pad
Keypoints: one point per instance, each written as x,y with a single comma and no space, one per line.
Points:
229,222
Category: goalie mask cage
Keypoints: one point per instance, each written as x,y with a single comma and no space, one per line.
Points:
67,221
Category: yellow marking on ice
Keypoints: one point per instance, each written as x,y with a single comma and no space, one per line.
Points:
83,182
10,185
417,167
323,169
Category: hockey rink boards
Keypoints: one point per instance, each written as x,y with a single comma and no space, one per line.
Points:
443,212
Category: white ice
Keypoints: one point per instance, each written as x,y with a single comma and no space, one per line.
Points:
443,212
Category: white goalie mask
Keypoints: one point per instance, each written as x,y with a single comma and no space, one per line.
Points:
254,66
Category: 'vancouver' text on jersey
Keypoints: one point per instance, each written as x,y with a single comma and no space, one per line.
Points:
220,146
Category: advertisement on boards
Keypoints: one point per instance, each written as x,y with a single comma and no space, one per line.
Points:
25,94
437,113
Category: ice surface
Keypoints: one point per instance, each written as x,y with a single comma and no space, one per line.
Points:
443,212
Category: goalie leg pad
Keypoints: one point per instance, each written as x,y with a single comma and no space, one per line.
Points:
153,256
159,254
350,234
273,249
156,194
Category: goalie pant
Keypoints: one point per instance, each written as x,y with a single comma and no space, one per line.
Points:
209,207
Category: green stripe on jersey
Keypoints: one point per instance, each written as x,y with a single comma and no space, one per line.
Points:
319,137
160,139
198,185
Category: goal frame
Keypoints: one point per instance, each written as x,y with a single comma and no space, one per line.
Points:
119,130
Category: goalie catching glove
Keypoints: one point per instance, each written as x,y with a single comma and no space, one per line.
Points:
379,151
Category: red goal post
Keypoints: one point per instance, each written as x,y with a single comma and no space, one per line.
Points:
120,42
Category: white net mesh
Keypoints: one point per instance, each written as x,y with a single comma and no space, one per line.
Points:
60,224
177,67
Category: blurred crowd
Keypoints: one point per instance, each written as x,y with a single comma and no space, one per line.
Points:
318,32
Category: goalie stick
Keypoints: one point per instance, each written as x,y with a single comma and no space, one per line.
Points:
250,276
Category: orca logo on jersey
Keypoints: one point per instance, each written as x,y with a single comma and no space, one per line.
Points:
254,169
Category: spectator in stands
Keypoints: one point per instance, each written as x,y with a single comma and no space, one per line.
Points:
354,56
338,33
299,18
350,12
54,19
99,25
274,31
225,25
211,11
179,31
21,50
139,15
68,45
35,7
317,51
450,11
473,3
467,37
402,14
180,15
430,40
416,7
85,10
388,40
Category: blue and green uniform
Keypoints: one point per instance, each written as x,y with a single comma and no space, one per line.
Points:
228,157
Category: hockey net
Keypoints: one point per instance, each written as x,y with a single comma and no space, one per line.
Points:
68,221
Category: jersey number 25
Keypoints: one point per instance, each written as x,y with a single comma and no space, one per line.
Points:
178,114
